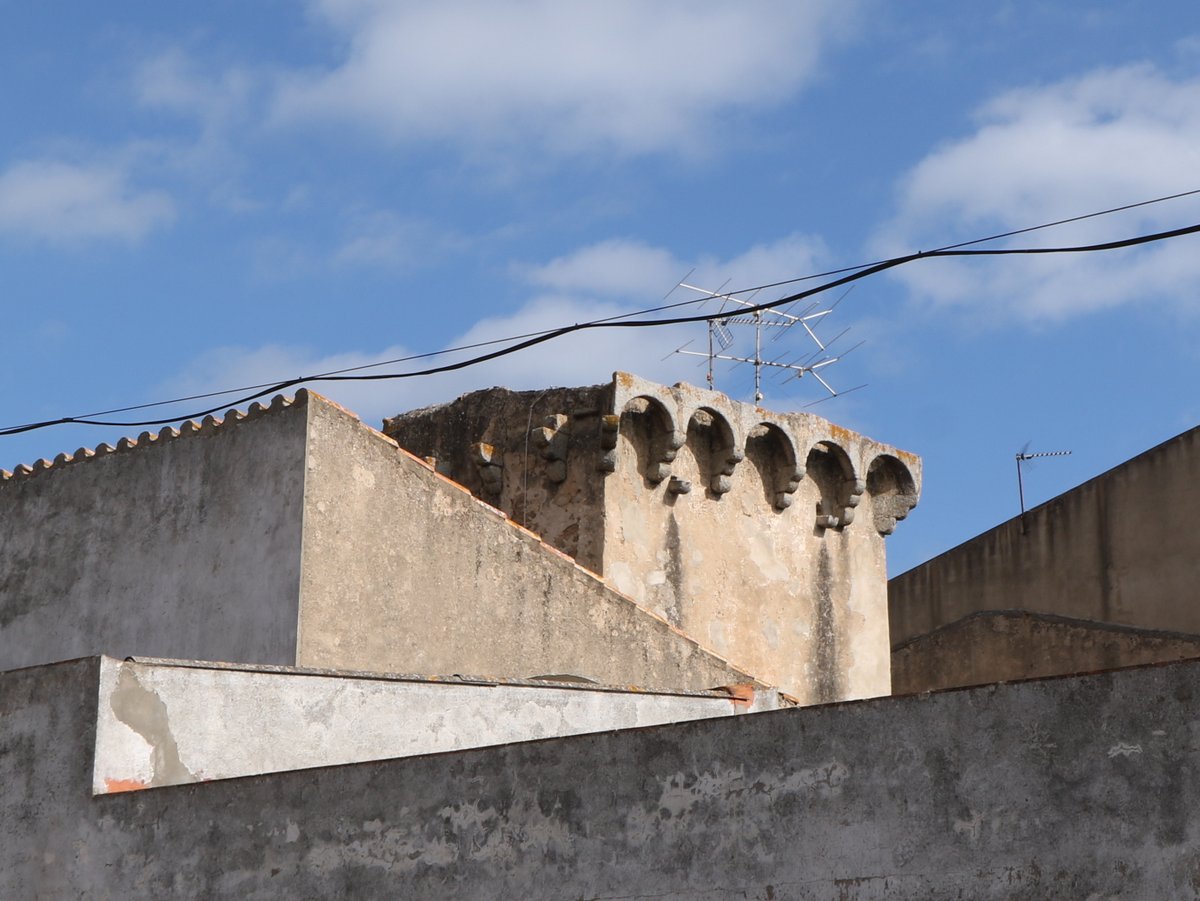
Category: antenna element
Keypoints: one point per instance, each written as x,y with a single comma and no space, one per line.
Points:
1021,458
720,339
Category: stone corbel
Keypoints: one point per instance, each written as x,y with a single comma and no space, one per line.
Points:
853,489
890,510
791,481
730,457
677,485
660,468
610,427
491,471
551,440
843,513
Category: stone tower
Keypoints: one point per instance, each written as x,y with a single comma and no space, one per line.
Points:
758,534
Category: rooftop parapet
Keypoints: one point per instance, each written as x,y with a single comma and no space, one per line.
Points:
207,425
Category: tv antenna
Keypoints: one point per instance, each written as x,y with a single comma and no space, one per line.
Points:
721,340
1023,455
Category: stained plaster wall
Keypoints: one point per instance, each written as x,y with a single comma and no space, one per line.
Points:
762,583
405,571
296,535
177,545
1080,787
1003,645
171,723
1123,548
746,569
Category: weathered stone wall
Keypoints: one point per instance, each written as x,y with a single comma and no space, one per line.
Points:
532,454
406,571
162,722
775,556
1003,645
760,534
175,545
1063,788
1122,548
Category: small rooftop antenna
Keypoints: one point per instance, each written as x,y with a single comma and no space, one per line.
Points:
720,338
1022,456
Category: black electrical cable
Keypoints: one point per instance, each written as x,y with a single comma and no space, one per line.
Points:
421,356
625,322
271,386
972,243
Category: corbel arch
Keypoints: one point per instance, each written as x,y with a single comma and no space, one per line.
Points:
839,488
771,450
891,490
650,428
716,447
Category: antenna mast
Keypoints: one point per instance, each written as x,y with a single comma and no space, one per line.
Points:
1021,458
720,339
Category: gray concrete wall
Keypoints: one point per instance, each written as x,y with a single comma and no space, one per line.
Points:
406,571
175,545
1003,645
774,555
171,722
1063,788
1122,548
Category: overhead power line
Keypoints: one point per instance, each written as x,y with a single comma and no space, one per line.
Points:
514,344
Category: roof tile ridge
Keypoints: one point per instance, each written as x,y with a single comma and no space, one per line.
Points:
165,435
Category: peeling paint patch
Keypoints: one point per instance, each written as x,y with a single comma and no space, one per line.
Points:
143,711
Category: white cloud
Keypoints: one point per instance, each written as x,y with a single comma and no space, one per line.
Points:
1045,153
363,238
222,104
577,295
58,201
172,81
625,75
617,266
381,238
636,269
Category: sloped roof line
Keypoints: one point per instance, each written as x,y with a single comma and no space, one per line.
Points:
146,439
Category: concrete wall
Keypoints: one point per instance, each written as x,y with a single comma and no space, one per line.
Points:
1003,645
171,545
1122,548
171,722
758,533
406,571
1064,788
296,535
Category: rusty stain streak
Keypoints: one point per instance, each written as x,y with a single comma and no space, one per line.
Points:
741,694
114,786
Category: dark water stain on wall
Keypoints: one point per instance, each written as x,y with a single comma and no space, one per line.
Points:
826,681
674,573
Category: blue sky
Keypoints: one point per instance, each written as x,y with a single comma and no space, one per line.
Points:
202,196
